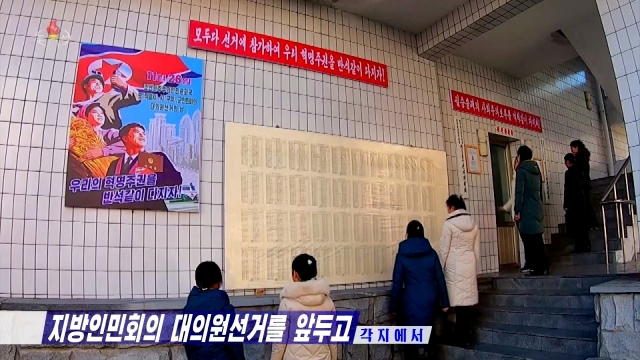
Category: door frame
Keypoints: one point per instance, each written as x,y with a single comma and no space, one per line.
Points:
507,232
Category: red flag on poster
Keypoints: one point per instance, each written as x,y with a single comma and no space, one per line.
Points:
129,65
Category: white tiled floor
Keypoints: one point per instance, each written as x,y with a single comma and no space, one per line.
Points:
47,250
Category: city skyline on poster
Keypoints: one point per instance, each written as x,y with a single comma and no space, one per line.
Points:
135,131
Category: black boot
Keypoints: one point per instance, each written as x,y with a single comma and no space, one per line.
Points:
538,272
468,343
432,351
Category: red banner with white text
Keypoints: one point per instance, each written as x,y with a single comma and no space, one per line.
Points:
280,51
488,109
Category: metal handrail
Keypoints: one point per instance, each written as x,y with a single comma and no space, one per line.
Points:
612,184
619,203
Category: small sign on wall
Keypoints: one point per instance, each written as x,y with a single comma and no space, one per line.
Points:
503,130
540,163
462,166
472,156
545,184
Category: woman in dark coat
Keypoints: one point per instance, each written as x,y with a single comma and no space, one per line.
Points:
419,288
574,205
583,156
529,211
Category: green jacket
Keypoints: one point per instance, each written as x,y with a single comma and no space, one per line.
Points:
528,201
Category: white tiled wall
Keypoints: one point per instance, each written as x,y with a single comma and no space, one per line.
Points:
557,96
621,21
47,250
619,140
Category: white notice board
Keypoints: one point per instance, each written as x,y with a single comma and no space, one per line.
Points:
345,201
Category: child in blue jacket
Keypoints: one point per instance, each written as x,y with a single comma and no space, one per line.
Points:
419,287
207,296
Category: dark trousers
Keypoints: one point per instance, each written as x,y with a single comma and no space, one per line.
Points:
464,315
535,255
581,239
590,215
412,352
580,235
578,228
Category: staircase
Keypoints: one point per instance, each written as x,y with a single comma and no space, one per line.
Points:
535,318
559,251
598,186
549,317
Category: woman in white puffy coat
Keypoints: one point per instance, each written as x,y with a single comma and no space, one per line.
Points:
305,293
460,257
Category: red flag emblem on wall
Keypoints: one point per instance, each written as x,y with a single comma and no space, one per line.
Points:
130,65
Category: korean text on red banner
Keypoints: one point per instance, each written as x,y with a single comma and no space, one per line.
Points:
488,109
280,51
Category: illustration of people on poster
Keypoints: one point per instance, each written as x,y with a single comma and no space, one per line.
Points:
134,140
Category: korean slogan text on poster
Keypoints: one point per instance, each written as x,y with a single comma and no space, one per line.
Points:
134,140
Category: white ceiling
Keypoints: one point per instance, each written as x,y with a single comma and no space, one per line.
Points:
523,45
519,47
409,15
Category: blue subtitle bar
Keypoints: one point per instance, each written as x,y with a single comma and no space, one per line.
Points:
154,327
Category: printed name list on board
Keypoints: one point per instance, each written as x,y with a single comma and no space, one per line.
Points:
280,51
488,109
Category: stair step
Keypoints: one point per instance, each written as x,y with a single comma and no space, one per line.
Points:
576,342
566,284
562,244
538,298
482,351
567,249
595,236
583,259
557,318
614,244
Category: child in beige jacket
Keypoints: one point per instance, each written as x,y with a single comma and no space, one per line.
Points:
305,293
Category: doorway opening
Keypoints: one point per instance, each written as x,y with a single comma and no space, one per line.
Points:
502,174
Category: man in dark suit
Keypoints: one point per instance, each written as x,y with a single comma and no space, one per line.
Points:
134,139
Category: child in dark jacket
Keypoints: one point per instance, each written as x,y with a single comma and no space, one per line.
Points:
419,287
207,296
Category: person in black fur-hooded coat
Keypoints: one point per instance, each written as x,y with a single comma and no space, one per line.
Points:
583,157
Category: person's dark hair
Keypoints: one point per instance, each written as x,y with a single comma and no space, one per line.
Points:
86,81
570,158
456,202
306,266
415,229
583,152
208,274
578,144
525,153
90,107
125,129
